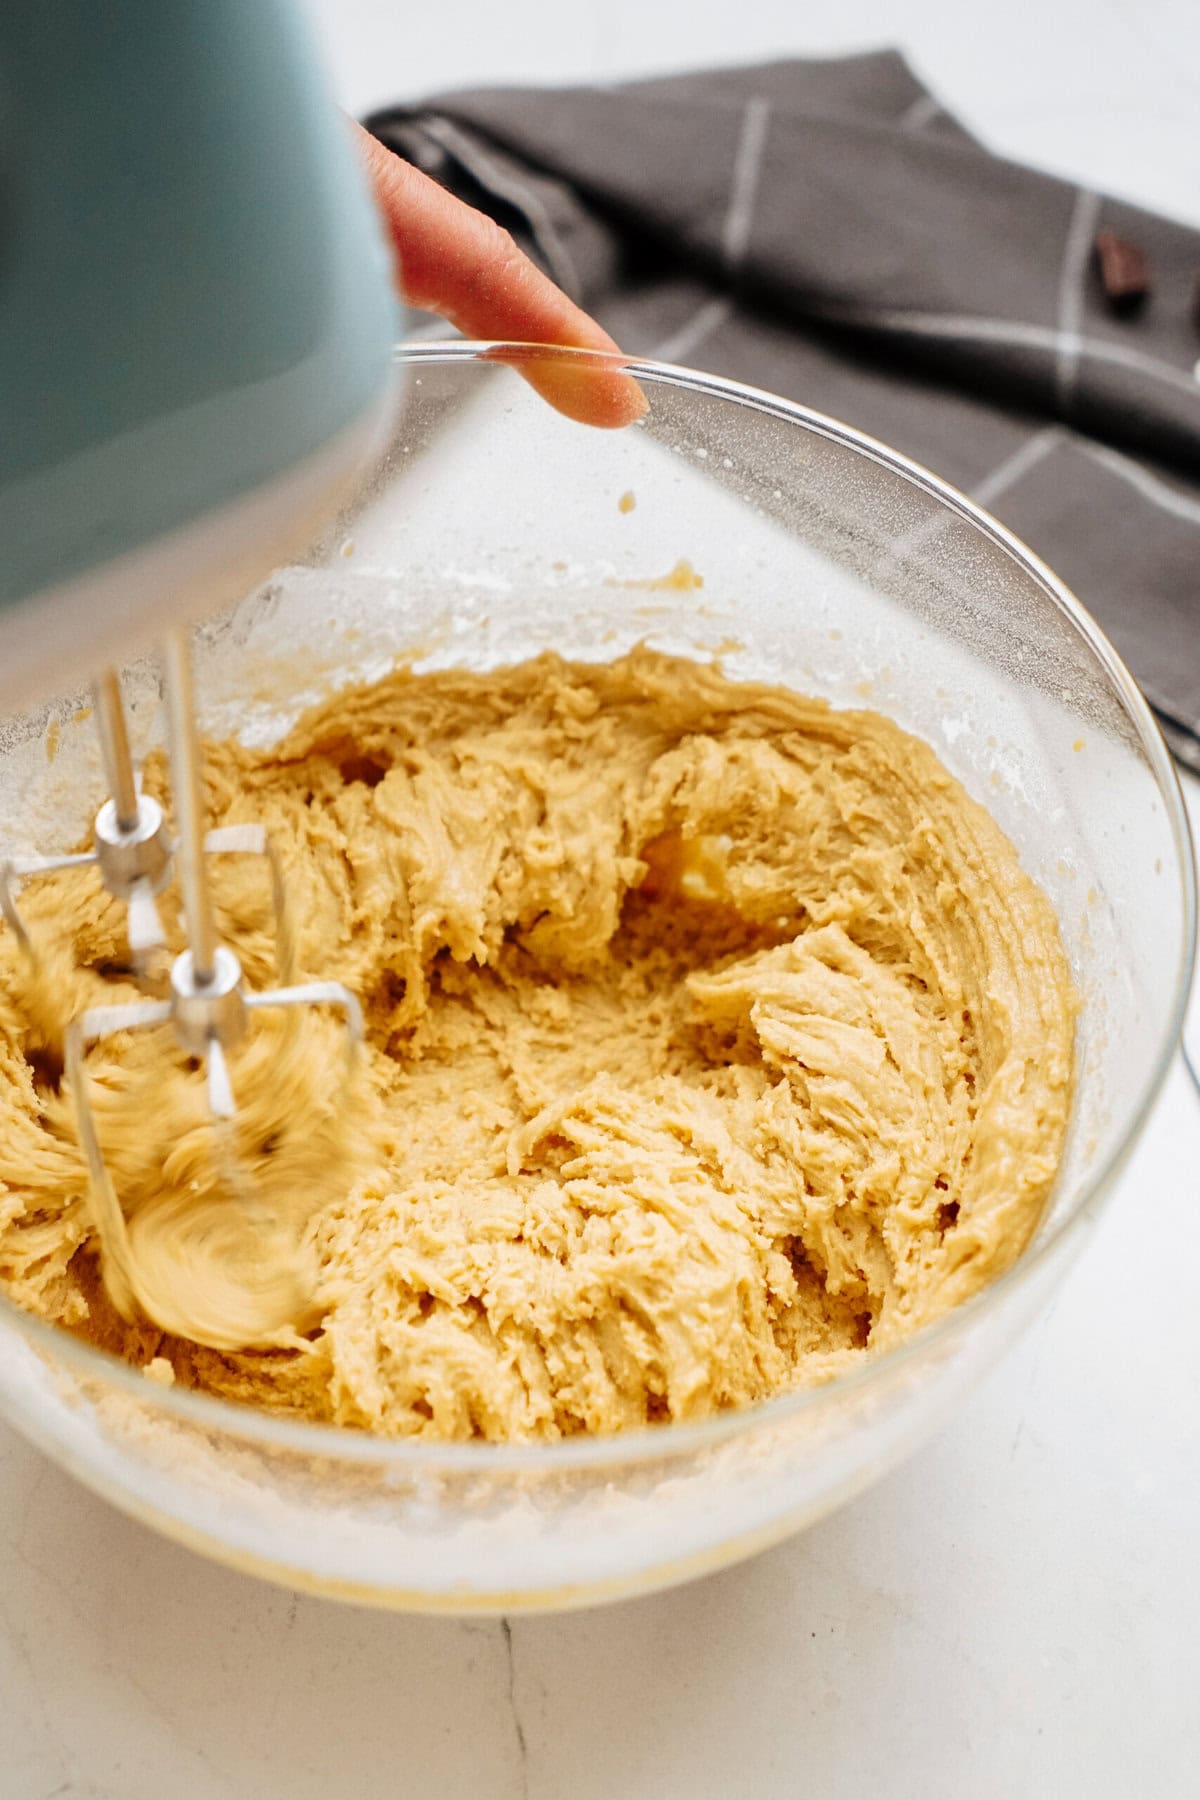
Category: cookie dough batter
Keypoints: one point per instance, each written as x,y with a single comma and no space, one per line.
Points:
716,1041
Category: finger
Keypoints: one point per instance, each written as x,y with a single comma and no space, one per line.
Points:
457,262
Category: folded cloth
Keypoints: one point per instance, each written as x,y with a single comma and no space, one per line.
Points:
828,231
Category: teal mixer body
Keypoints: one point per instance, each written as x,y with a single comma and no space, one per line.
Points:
196,317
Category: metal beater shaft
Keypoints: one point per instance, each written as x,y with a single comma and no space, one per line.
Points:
182,744
114,748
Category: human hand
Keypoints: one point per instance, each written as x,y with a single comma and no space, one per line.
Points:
457,262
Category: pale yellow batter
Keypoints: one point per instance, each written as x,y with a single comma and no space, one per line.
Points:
716,1040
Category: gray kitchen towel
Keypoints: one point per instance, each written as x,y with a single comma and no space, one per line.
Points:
826,230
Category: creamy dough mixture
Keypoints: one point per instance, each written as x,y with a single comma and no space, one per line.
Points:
716,1040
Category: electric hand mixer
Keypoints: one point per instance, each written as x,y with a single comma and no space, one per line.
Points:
196,321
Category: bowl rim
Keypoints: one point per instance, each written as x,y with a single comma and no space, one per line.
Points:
659,1442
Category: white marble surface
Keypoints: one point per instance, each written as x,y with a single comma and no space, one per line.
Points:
1012,1614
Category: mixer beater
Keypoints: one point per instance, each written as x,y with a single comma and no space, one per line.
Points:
208,1003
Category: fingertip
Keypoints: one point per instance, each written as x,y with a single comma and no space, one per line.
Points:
624,404
583,391
457,261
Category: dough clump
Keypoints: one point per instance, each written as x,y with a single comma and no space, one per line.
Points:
716,1040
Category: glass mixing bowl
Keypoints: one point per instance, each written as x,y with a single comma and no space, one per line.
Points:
494,529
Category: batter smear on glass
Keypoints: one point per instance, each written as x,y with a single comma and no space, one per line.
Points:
717,1040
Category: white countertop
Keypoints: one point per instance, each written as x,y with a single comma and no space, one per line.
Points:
1014,1613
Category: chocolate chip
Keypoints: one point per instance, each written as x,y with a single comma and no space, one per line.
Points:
1124,272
